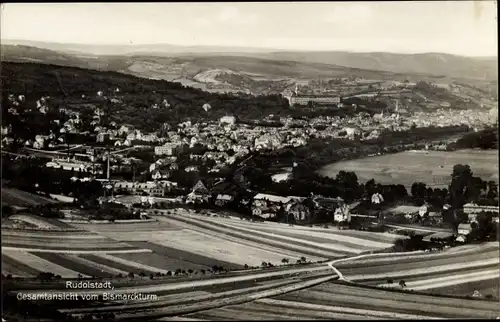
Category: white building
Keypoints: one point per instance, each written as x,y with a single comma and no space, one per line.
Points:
169,148
342,214
231,120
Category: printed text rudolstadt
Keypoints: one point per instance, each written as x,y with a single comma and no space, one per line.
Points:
89,285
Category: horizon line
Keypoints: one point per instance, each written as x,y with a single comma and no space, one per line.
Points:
269,50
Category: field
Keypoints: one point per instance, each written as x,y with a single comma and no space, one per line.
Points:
195,243
19,198
337,301
432,167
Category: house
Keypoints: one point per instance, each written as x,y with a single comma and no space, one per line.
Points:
103,137
328,204
299,211
472,209
230,120
131,136
199,193
377,198
160,174
191,168
39,142
223,199
342,214
464,229
125,129
158,190
436,217
423,210
263,202
169,148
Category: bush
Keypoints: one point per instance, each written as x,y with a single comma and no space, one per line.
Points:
169,273
389,281
142,274
45,276
245,266
190,271
131,275
202,271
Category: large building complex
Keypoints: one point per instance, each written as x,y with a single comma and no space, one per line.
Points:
300,99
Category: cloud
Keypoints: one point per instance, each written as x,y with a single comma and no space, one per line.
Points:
234,15
348,12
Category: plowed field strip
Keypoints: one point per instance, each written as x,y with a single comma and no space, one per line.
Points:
39,263
195,259
256,238
116,265
339,248
420,259
403,297
20,266
73,265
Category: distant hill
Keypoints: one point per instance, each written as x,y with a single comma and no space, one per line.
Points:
254,74
153,49
429,63
178,63
27,54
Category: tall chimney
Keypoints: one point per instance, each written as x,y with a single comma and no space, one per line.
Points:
107,172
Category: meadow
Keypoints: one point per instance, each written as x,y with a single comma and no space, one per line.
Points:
431,167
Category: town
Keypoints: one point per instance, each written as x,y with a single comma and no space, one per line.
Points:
317,172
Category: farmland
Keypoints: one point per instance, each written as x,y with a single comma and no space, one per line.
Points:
186,241
19,198
431,167
334,301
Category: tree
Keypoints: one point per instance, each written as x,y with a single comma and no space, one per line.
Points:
492,190
7,211
419,190
284,260
402,283
460,180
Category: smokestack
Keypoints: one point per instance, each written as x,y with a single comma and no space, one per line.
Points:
107,174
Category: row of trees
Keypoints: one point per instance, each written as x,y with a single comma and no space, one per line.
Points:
486,139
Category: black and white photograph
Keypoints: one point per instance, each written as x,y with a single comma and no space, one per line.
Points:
217,161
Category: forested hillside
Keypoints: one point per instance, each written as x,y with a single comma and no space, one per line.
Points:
144,103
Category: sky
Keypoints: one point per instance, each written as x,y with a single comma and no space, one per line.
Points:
466,28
